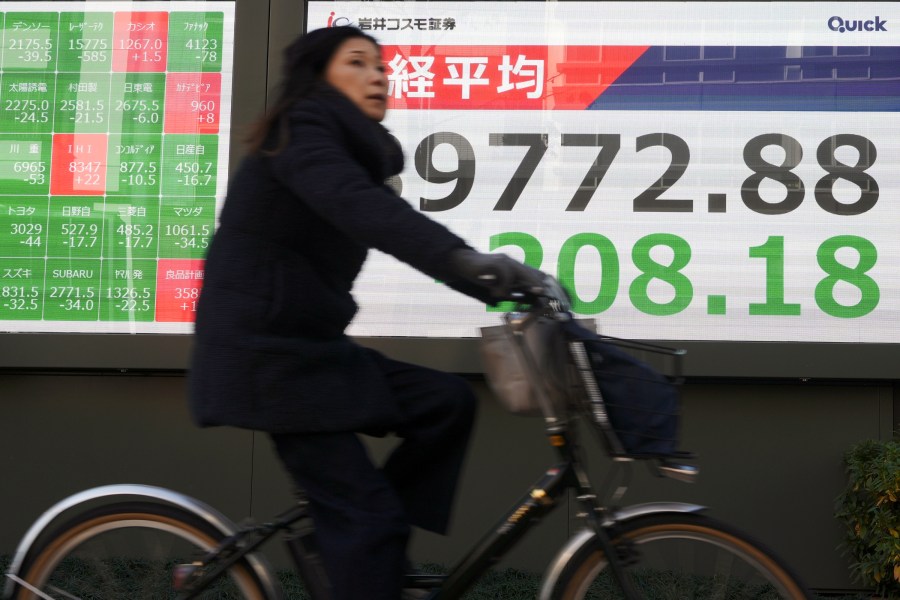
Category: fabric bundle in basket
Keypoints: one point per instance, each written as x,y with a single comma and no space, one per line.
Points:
641,403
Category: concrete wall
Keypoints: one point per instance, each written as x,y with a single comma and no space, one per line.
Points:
770,455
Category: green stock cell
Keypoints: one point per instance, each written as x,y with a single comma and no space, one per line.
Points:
195,41
29,41
72,290
75,228
137,102
85,42
131,228
186,226
82,103
27,103
23,226
128,290
21,290
189,165
25,165
133,165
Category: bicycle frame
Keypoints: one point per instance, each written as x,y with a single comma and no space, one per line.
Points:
538,501
542,498
544,495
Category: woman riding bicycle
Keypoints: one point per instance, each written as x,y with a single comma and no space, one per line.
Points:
271,352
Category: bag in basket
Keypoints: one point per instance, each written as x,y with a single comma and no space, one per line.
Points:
507,374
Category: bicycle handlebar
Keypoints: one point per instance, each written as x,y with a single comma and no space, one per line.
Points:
550,295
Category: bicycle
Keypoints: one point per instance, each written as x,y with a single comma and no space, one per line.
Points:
135,541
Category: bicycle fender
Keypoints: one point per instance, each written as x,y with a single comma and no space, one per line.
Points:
584,537
113,493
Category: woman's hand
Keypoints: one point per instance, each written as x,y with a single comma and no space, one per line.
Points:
499,274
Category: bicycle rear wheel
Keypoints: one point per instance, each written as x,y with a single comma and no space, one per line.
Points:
677,556
128,550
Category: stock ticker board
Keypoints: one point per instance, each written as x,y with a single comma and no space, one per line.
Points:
113,150
688,171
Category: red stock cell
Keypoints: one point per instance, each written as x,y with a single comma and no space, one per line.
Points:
178,284
140,41
78,166
193,102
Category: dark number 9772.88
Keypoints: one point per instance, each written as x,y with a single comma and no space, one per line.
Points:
650,200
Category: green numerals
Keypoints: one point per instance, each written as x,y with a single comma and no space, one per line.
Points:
662,288
609,273
773,252
836,272
855,276
668,273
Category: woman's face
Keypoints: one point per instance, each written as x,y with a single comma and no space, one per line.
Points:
356,71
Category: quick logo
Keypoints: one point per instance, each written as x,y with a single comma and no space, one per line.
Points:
844,25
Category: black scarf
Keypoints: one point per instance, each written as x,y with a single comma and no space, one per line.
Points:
370,142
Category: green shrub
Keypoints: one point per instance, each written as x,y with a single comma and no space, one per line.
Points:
869,508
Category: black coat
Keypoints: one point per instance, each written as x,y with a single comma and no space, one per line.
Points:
270,349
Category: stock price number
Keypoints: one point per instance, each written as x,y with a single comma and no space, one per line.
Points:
135,235
187,296
671,274
145,112
28,111
84,111
74,299
189,236
79,235
207,50
193,174
90,50
130,299
85,173
19,298
137,173
143,50
31,172
650,198
30,50
29,234
206,110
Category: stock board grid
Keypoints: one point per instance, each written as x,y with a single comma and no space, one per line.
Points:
109,157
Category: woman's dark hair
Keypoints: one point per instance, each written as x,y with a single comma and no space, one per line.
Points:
305,61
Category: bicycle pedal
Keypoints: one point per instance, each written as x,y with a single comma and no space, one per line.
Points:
182,574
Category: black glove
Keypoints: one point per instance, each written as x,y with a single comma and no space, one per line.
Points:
498,273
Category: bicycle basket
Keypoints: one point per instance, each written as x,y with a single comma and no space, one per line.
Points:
636,407
539,348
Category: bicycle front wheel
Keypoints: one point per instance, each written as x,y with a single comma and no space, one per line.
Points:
128,550
677,556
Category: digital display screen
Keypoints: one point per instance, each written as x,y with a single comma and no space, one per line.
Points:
723,171
114,144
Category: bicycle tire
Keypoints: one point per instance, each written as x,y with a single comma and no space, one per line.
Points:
676,556
128,550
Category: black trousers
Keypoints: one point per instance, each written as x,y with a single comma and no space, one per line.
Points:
363,512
